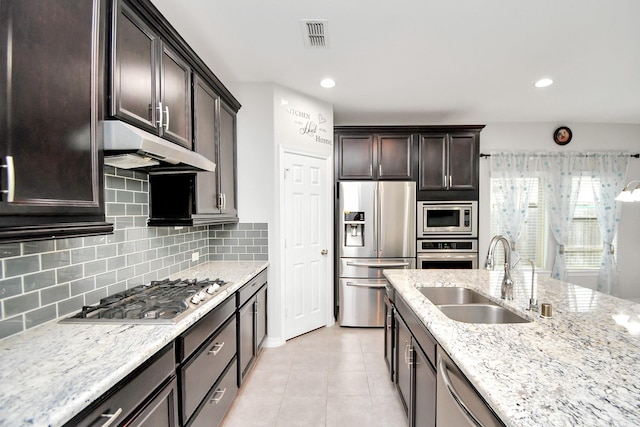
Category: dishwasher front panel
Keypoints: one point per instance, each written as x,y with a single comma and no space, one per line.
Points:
458,403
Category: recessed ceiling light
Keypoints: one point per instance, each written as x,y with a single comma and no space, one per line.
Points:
327,83
543,82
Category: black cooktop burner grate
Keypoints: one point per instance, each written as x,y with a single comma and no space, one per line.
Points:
158,302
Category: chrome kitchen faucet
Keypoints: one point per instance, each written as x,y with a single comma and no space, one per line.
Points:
506,290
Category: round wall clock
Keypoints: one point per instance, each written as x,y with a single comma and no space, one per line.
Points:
562,135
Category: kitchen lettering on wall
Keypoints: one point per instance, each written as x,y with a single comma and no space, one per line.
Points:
303,120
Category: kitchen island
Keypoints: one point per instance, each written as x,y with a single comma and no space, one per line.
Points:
53,371
580,367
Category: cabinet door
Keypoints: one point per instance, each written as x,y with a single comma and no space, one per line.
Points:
162,411
50,58
227,160
175,94
403,366
247,338
463,161
394,157
261,316
388,336
135,85
424,390
206,104
432,162
356,156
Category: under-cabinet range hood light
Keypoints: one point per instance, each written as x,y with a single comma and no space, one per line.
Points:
128,147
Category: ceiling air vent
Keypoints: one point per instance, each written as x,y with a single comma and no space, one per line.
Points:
315,32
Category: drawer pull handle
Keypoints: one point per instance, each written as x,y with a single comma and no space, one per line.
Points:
112,417
215,399
11,182
216,348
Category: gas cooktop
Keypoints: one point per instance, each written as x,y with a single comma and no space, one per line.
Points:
160,302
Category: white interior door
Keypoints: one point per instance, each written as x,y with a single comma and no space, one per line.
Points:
306,228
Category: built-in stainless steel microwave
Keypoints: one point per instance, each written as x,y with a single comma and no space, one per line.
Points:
459,218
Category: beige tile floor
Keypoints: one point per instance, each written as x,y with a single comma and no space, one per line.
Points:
331,377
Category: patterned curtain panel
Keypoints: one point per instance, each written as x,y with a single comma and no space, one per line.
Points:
513,174
608,174
562,172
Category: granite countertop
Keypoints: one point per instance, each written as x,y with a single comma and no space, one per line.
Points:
580,367
53,371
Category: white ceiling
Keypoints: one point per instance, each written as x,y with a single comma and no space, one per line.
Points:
431,61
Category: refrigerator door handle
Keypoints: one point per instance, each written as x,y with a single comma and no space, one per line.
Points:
376,220
378,265
365,285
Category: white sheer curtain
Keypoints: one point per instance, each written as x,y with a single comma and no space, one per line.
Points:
563,172
608,174
512,173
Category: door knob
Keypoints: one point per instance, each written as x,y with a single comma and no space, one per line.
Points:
324,252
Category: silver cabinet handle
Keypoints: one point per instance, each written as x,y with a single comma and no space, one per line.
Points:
407,346
450,181
389,321
216,348
11,179
380,169
370,169
221,393
377,265
365,285
166,110
112,417
224,200
444,373
159,108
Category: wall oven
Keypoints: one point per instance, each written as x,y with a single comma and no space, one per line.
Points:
458,219
447,254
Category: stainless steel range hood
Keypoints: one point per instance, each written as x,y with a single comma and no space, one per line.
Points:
128,147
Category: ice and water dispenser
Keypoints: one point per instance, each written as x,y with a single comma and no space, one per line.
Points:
353,228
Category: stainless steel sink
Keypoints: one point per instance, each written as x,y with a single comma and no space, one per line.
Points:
453,295
481,313
468,306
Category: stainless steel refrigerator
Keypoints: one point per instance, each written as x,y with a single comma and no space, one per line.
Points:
376,230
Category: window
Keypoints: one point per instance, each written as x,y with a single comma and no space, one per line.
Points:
584,247
532,242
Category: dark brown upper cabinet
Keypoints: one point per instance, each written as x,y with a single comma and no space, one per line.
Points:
201,197
51,174
448,161
150,80
373,156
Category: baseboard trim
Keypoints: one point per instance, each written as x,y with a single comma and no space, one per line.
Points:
273,342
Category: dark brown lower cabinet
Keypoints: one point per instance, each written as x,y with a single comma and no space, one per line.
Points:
389,345
415,369
147,397
252,322
161,411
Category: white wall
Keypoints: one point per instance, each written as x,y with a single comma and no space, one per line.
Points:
268,122
586,137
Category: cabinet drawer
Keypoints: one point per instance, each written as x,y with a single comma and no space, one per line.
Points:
203,371
218,400
424,338
248,290
189,341
127,395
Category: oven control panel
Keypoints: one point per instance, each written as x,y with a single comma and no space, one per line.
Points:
467,245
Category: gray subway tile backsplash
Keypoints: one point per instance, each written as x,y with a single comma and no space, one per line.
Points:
45,280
